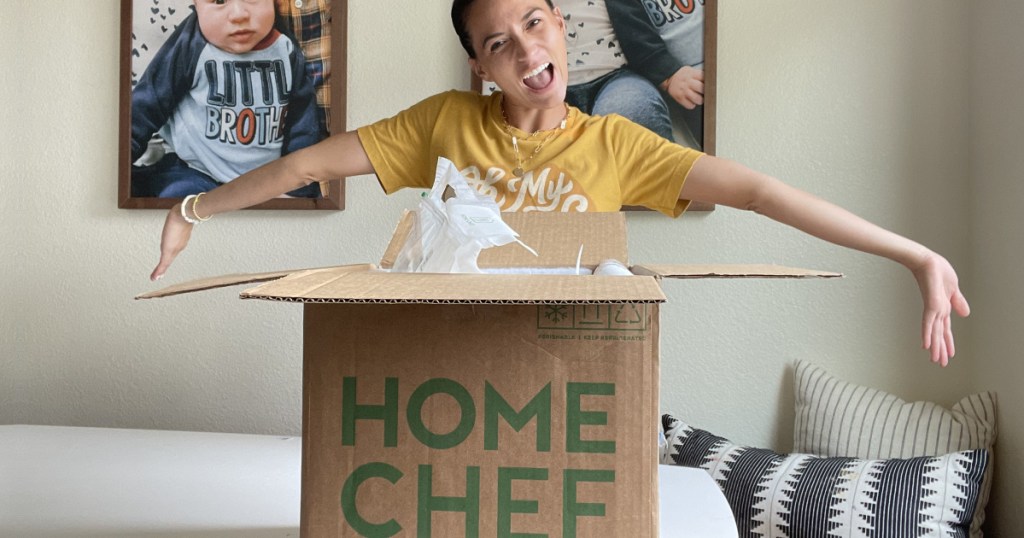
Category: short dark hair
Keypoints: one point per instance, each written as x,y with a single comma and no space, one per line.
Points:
459,9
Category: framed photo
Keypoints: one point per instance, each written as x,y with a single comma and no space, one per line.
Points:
210,90
680,34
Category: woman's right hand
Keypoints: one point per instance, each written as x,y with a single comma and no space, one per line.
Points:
172,241
340,155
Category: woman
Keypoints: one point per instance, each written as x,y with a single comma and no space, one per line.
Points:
528,150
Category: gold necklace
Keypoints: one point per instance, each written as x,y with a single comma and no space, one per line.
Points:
518,171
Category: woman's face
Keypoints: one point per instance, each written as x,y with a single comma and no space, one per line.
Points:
520,46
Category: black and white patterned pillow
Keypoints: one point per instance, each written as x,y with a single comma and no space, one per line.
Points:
801,495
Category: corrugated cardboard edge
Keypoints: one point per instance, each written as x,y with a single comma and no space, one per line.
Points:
659,271
728,271
221,281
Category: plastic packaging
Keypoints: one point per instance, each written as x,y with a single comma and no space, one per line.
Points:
448,235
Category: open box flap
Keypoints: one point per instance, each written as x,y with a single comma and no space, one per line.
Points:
213,283
363,283
661,270
368,286
556,237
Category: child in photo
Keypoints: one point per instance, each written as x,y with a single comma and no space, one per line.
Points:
227,93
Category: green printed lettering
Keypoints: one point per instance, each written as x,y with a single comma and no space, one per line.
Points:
539,406
507,505
414,413
576,418
572,509
427,503
348,500
351,411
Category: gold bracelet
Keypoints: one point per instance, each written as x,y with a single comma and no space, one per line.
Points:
195,201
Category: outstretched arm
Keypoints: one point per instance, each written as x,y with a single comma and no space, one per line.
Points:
723,182
336,157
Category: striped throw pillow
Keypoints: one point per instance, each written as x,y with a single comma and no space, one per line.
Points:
836,418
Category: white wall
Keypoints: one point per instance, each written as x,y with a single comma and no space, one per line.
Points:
864,104
840,101
997,173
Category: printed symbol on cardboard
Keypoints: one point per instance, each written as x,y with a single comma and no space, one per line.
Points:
555,317
599,317
557,312
627,316
592,317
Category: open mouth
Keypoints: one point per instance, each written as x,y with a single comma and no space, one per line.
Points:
540,77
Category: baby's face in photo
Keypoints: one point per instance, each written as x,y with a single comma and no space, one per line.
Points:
235,26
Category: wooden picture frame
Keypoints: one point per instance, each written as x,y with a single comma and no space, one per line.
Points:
145,26
675,10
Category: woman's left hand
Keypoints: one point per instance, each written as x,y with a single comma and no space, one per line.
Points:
940,291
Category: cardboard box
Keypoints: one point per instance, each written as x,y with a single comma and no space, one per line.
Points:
484,405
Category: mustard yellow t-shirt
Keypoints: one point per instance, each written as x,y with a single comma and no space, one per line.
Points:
598,163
